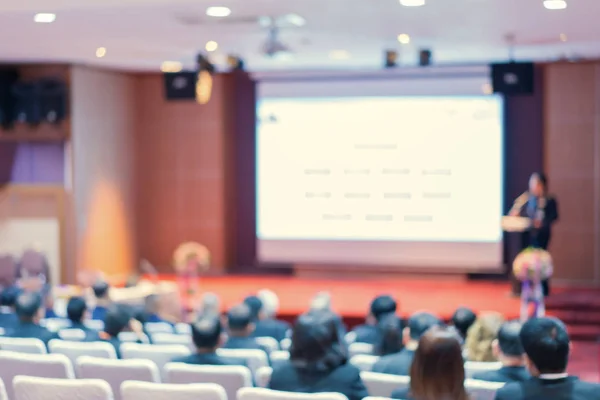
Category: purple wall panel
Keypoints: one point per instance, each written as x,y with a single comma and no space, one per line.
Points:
35,163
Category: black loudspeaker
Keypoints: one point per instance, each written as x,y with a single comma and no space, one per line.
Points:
425,57
180,85
53,100
8,77
27,106
513,78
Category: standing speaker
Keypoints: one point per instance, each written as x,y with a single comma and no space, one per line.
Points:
180,85
53,100
513,78
8,78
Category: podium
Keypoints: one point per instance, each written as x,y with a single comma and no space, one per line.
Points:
516,238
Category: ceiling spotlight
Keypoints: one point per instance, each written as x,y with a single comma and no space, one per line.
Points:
563,37
211,46
412,3
218,12
339,55
555,4
100,52
44,18
404,38
171,66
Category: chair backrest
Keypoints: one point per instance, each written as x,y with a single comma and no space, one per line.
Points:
3,394
115,372
231,377
253,358
55,324
74,350
161,355
35,388
269,343
158,327
263,376
357,348
183,328
285,344
277,357
350,337
132,390
23,345
43,365
132,337
382,385
376,398
364,362
172,338
473,367
73,335
94,324
480,390
268,394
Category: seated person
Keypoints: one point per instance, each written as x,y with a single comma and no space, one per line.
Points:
77,313
101,292
462,319
381,307
119,319
437,371
8,317
152,309
318,363
547,346
391,336
267,325
322,303
481,335
509,351
30,311
239,321
210,305
399,363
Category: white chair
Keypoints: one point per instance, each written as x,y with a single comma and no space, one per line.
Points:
161,355
382,385
263,376
132,390
357,348
2,332
183,329
231,377
277,357
73,335
376,398
23,345
43,365
115,372
3,395
172,338
94,324
473,367
267,394
158,327
74,350
285,344
269,343
132,337
480,390
253,358
55,324
364,362
34,388
350,337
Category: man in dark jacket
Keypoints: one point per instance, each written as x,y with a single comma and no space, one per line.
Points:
29,311
77,313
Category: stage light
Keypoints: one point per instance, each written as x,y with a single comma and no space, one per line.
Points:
171,66
218,12
555,4
100,52
44,18
412,3
404,38
211,46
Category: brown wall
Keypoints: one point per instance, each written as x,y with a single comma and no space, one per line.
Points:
572,162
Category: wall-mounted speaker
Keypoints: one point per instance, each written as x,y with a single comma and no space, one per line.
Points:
180,85
513,78
8,77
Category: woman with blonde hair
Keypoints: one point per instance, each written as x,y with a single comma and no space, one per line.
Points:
481,335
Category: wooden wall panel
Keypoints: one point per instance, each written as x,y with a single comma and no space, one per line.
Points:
572,158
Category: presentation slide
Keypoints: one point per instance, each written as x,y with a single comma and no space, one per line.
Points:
406,181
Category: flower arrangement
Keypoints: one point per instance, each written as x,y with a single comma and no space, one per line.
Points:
533,264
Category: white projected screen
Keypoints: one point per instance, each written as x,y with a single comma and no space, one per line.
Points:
412,181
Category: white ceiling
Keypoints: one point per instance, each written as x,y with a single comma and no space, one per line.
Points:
141,34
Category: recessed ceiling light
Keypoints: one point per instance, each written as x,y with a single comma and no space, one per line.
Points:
339,55
563,37
412,3
218,12
295,19
100,52
44,18
211,45
404,38
555,4
171,66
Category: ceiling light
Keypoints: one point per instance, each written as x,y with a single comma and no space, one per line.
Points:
412,3
404,38
218,12
211,46
339,55
44,18
563,37
100,52
555,4
171,66
295,19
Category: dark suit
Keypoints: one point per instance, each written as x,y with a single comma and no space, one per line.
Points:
344,379
504,374
273,328
395,364
205,359
235,342
8,322
570,388
31,330
99,313
367,334
90,334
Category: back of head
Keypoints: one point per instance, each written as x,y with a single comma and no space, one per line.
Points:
381,306
210,305
509,339
116,320
482,335
206,333
547,345
151,304
421,322
239,318
391,335
8,297
28,306
437,370
321,302
270,302
76,308
100,289
316,345
463,319
255,305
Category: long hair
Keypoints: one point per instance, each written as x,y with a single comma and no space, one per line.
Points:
390,340
481,335
437,371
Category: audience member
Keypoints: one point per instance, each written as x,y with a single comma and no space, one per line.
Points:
210,305
391,336
509,351
322,302
547,346
77,313
264,312
101,292
152,309
370,332
8,317
481,335
318,362
119,319
239,321
255,306
437,371
462,319
399,363
30,311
